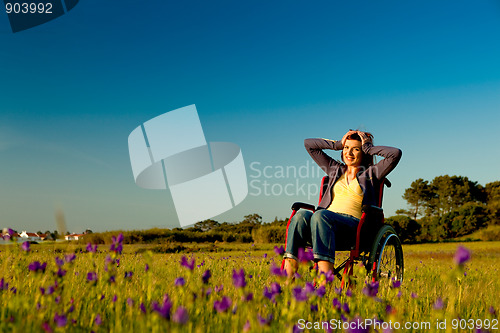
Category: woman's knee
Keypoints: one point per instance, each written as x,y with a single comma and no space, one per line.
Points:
301,219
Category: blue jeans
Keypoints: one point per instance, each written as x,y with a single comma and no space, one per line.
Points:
323,230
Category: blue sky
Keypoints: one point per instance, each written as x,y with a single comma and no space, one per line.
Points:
265,75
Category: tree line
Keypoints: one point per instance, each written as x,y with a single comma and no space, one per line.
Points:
446,207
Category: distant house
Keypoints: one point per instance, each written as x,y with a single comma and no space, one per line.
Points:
32,236
73,237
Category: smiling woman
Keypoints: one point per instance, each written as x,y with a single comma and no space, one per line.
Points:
351,185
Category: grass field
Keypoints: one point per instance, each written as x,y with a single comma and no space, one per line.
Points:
230,288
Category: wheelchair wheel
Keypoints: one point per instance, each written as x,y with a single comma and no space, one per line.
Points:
387,253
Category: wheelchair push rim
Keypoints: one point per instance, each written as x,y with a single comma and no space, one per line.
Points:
388,255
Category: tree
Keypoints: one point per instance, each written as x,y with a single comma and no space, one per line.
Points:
418,195
207,225
254,219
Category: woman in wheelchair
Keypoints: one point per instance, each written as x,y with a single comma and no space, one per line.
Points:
351,185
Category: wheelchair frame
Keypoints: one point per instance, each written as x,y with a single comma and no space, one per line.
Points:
377,257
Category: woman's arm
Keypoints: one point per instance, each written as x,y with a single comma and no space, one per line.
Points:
391,157
315,148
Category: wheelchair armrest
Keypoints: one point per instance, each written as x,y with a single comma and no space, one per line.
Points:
299,205
371,209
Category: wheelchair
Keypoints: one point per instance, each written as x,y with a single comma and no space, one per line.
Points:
376,245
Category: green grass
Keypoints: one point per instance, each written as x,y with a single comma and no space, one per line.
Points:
467,292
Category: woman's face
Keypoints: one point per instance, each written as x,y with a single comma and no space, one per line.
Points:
352,153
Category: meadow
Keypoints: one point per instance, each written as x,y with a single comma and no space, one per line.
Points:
447,287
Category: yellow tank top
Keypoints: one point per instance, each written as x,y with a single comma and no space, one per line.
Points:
347,198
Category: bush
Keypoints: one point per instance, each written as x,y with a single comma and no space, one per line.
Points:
269,234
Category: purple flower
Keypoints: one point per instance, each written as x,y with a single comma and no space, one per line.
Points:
130,302
91,248
300,294
59,261
98,320
395,283
388,309
321,291
279,250
239,278
92,276
206,276
146,268
297,329
265,321
69,257
189,265
61,272
247,298
491,310
309,287
222,305
25,246
117,244
336,304
438,305
371,289
246,327
314,308
143,308
348,293
181,315
128,275
265,255
163,309
115,298
179,282
275,270
305,256
219,288
338,291
413,295
462,255
36,266
345,308
46,327
329,276
60,319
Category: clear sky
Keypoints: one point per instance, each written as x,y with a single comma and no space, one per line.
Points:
423,76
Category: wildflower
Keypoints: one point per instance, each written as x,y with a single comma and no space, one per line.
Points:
202,264
321,291
91,276
179,282
462,255
265,255
36,266
164,309
279,250
348,293
336,304
46,327
222,305
371,289
265,321
305,256
338,291
345,308
275,270
59,261
247,298
219,288
314,308
117,245
309,288
130,302
25,246
91,248
181,315
61,272
60,319
300,294
98,320
357,326
189,265
395,283
297,329
413,295
388,309
58,299
69,257
239,278
146,268
438,305
115,298
206,276
128,275
491,310
143,308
